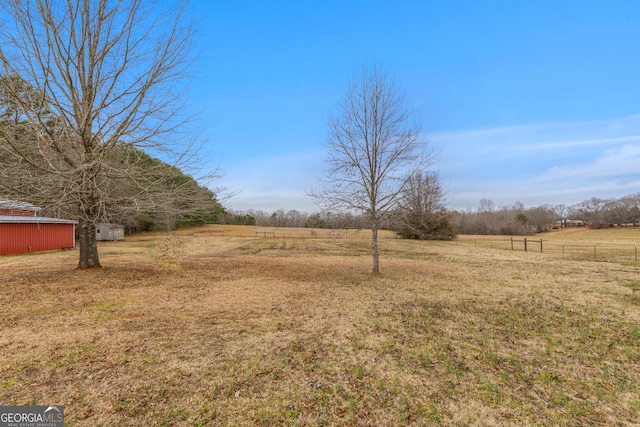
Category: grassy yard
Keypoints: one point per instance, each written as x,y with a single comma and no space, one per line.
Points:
215,326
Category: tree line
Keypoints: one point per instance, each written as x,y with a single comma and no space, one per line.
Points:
516,219
292,218
421,216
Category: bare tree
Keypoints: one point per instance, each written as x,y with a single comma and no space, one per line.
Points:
422,210
372,149
105,75
562,213
626,210
591,211
542,217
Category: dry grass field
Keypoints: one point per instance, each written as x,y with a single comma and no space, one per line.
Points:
215,326
609,245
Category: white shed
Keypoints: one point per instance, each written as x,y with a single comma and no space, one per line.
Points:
106,231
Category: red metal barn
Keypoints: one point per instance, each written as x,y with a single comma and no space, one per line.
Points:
24,234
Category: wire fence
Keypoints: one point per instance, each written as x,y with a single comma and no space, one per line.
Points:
596,251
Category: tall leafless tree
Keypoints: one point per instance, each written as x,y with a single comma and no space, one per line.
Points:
372,148
106,76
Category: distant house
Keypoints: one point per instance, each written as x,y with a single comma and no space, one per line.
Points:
21,231
569,223
109,232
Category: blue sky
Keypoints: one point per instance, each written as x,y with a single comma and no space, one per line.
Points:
537,102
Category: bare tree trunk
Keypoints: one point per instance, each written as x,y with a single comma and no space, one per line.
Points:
89,212
88,245
374,249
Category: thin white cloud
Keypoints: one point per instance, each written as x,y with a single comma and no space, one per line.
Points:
545,136
541,163
577,143
614,162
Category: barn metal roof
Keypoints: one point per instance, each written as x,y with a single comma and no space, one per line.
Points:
13,204
34,220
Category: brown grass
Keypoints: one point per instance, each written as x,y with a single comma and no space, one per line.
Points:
621,245
199,328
